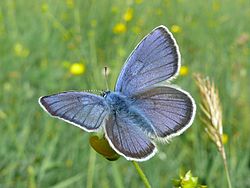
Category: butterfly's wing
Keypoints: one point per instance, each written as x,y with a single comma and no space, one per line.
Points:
155,59
128,139
84,110
170,110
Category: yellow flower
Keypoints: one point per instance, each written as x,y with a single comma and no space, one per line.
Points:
128,15
183,70
138,1
3,115
7,87
93,23
20,50
215,6
159,12
77,68
69,163
70,3
119,28
136,29
224,138
45,7
176,29
31,170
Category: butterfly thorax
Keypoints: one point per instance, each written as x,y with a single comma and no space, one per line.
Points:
117,102
123,105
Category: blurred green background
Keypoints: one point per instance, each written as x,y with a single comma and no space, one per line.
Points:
50,46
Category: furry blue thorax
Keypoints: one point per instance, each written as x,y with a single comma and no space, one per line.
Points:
123,105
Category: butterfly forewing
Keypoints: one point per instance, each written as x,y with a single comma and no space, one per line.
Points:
155,59
128,139
170,110
84,110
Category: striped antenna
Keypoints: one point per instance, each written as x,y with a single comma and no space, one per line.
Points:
106,77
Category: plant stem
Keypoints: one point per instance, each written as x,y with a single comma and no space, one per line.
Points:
117,176
223,154
91,169
142,175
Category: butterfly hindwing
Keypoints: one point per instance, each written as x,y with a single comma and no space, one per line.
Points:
155,59
84,110
128,139
170,110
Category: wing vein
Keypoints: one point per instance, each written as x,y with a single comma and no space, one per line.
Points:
87,114
99,117
119,133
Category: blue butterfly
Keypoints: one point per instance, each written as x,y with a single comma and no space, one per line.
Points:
140,110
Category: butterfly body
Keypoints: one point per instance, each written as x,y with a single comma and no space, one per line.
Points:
141,109
117,102
122,105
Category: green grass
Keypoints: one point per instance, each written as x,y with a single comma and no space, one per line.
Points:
39,151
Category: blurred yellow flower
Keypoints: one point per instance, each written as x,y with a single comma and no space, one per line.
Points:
64,16
20,50
3,115
31,170
176,29
45,7
136,29
183,70
159,12
119,28
66,36
93,23
138,1
69,163
128,15
224,138
70,3
7,87
91,33
216,6
77,68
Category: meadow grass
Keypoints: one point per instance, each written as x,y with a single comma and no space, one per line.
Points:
40,40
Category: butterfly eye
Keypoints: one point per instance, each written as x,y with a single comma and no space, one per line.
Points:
105,93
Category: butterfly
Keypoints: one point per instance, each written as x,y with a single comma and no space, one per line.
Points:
141,109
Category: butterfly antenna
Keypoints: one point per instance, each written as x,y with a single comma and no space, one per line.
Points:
106,77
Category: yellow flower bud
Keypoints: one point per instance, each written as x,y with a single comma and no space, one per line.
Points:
183,70
77,68
101,146
176,29
119,28
128,15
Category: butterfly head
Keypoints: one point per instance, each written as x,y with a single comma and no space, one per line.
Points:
105,93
